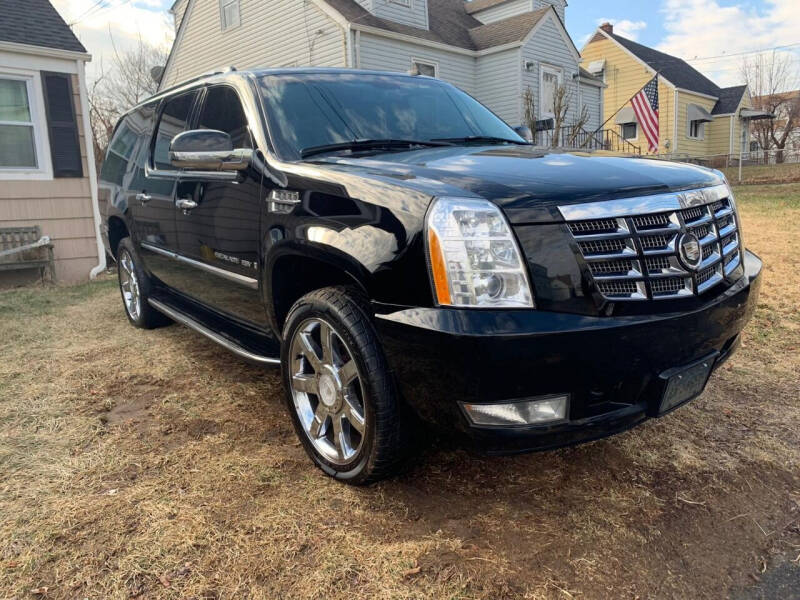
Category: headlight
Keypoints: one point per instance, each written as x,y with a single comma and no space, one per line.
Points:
473,256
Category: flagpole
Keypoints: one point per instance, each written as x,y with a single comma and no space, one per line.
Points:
626,102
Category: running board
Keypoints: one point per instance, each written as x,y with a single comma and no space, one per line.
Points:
237,349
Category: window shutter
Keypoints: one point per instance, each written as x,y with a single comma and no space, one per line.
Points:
65,149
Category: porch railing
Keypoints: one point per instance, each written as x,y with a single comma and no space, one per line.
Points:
604,139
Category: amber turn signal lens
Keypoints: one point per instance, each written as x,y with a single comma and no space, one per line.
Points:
438,268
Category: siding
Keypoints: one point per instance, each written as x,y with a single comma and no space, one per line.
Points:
62,208
498,86
516,7
408,12
591,97
272,34
178,11
505,10
384,54
715,129
624,76
559,5
735,146
548,47
718,135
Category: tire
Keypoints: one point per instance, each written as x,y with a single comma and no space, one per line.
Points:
135,287
348,381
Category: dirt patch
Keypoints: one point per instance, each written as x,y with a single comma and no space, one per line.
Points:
135,411
199,428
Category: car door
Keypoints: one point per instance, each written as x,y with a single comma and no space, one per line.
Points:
218,237
151,198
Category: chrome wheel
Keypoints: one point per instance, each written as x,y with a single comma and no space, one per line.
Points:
129,283
327,391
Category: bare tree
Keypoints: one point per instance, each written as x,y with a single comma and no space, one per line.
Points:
578,127
562,103
560,110
529,105
124,84
771,77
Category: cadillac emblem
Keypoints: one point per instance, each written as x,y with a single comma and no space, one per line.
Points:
690,251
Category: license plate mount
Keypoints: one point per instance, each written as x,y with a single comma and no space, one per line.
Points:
685,383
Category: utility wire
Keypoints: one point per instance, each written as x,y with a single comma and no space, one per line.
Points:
743,53
97,9
86,12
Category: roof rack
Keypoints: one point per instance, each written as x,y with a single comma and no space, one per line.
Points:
230,69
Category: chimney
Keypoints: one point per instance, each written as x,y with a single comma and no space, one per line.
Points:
607,27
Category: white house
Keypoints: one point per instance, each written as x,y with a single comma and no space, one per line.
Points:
492,49
47,177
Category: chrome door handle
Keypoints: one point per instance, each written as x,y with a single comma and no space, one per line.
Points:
186,204
144,198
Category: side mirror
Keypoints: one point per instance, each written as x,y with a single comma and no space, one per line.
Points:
207,150
524,133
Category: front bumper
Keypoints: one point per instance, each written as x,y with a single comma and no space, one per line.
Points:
610,366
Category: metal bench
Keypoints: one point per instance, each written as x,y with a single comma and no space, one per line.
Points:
26,248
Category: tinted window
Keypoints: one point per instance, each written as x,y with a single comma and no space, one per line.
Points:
307,110
173,121
119,153
223,111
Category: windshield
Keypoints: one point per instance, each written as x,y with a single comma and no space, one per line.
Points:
309,110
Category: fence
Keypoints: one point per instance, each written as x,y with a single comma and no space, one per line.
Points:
755,158
605,139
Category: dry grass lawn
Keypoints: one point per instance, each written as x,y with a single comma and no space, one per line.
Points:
155,465
765,174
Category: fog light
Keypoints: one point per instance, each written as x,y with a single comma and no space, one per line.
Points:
538,411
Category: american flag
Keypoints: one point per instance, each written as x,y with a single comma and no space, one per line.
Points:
645,105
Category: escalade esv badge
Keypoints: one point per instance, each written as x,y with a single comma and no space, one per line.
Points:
690,251
408,260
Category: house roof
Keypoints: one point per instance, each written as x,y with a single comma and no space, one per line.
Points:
506,31
681,74
674,69
479,5
729,100
584,74
449,23
36,23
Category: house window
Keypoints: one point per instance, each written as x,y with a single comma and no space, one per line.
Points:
229,13
697,130
629,131
18,131
427,69
401,2
550,79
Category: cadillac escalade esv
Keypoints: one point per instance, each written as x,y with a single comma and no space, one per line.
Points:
407,258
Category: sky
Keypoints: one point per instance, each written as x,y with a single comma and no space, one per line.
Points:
710,34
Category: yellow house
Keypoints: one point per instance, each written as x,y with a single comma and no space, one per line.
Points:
697,118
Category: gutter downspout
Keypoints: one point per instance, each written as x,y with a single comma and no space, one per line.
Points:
357,49
88,140
675,126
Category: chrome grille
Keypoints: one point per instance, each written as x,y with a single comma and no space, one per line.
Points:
633,256
594,226
602,246
651,221
612,267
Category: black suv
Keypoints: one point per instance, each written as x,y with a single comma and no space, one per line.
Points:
403,254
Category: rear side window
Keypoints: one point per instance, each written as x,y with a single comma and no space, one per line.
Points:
119,154
174,119
222,110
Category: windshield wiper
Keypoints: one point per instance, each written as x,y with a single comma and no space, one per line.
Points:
371,145
483,139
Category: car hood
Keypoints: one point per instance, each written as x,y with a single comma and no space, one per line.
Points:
527,183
